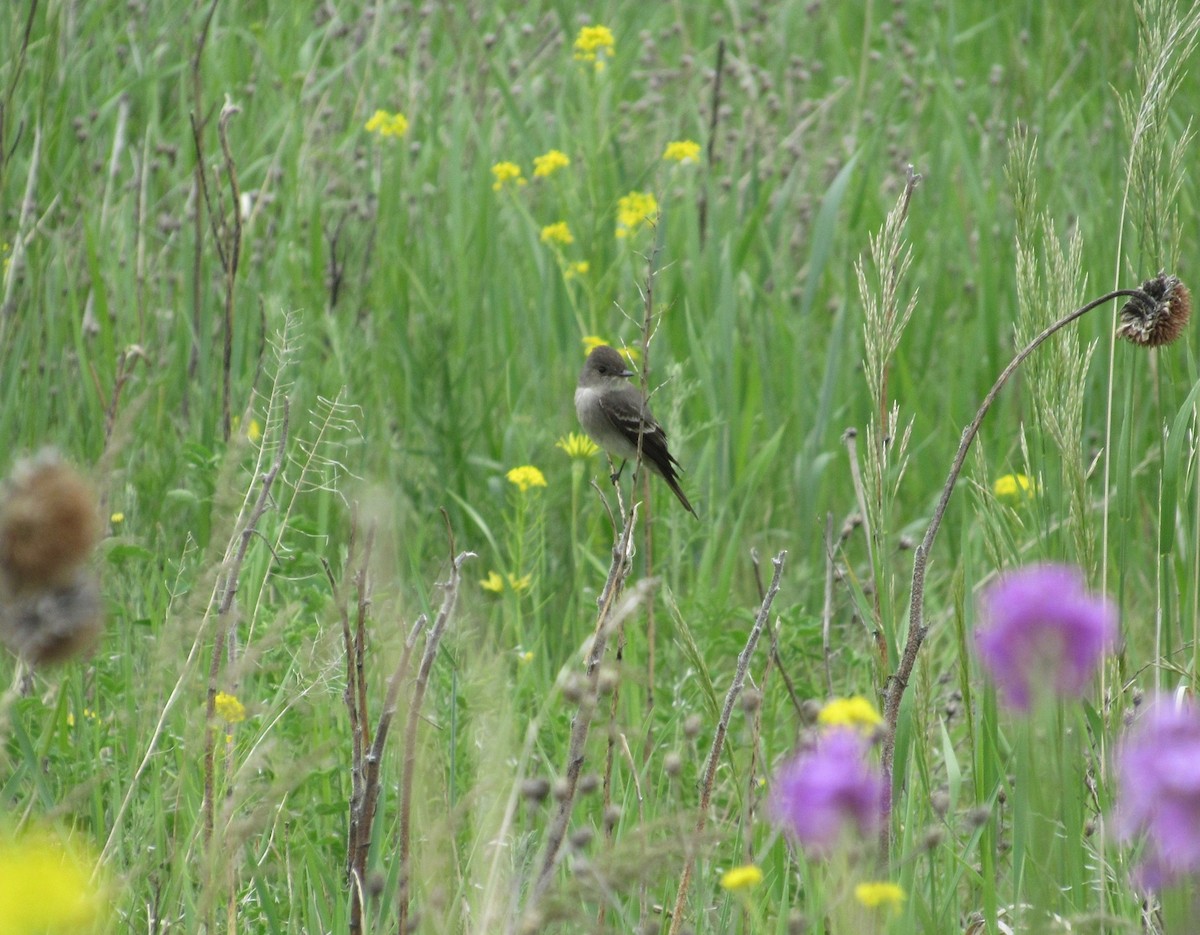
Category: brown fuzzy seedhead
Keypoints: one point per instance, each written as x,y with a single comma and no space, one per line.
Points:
1158,315
48,524
50,608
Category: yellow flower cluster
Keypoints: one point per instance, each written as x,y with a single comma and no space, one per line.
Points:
1014,487
634,210
526,476
856,712
577,446
745,877
505,173
48,886
875,895
578,268
594,44
386,124
549,163
495,583
558,233
682,151
229,709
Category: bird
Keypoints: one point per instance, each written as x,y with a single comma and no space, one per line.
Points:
615,416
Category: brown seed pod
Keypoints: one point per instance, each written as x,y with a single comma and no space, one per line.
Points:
48,523
1158,315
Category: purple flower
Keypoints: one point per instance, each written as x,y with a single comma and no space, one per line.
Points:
1043,634
1158,771
828,791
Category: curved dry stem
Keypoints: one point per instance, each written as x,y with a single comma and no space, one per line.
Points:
894,692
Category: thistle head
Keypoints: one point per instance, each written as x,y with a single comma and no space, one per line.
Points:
1158,313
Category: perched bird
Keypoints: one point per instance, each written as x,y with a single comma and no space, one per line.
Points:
613,412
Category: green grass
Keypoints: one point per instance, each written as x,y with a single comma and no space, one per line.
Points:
450,356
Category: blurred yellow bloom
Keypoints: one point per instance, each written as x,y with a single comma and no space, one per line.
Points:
525,477
576,445
524,657
856,712
117,518
874,895
549,163
579,268
1013,486
229,709
386,124
47,887
684,151
594,44
504,173
557,233
254,430
495,583
745,877
634,210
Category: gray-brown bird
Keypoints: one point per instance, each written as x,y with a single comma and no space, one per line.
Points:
614,414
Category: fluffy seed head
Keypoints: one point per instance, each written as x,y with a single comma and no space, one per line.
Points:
54,624
1159,314
48,524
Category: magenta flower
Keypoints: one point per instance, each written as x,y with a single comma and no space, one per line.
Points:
829,791
1158,772
1043,633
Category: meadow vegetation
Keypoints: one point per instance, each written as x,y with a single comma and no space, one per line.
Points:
303,291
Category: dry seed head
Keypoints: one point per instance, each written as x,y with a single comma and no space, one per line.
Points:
1158,314
48,523
52,625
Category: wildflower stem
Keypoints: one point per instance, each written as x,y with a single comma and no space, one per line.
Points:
898,682
433,640
718,744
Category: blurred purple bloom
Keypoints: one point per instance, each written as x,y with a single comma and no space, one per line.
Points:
829,790
1042,633
1158,770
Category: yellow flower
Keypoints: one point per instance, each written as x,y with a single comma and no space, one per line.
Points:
550,163
525,477
520,584
683,151
594,44
505,172
579,268
856,712
557,233
117,518
1012,486
634,210
47,887
576,445
386,124
745,877
524,657
229,709
254,430
874,895
493,582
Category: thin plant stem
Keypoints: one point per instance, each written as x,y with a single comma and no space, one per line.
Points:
894,691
